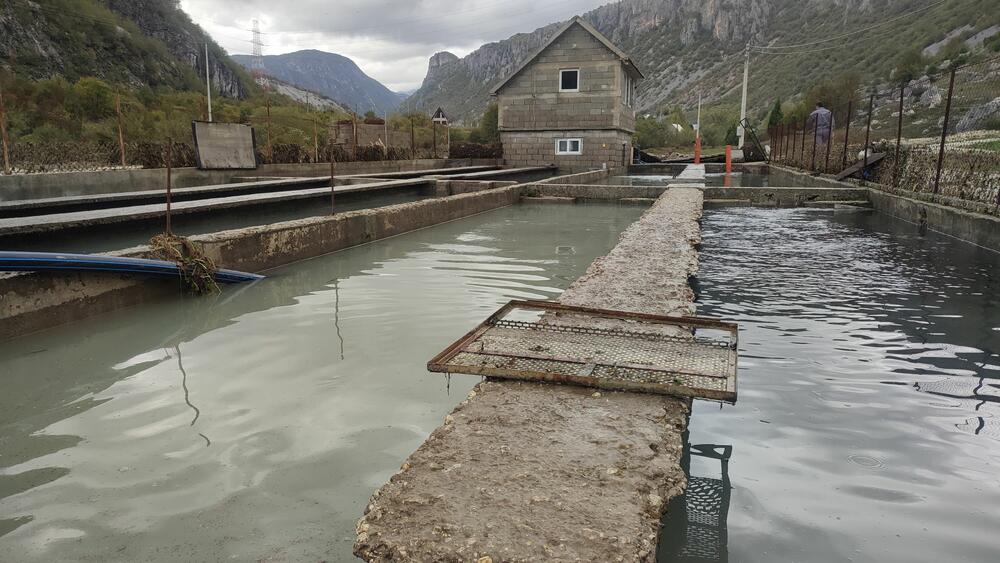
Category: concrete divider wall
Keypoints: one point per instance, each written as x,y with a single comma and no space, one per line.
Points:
456,187
34,301
583,177
31,186
269,246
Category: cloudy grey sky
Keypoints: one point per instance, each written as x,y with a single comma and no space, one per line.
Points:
390,40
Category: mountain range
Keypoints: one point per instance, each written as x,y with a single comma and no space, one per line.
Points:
688,48
334,76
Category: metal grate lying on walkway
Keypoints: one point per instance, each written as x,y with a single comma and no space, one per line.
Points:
546,341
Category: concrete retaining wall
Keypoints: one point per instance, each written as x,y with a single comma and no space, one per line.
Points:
34,301
455,187
976,228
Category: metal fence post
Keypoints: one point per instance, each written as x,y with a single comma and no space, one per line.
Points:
315,142
413,143
3,135
829,142
847,131
802,147
944,129
868,132
899,136
815,141
170,159
333,197
270,148
121,129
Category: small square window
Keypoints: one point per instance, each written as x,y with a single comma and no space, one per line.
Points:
569,146
569,80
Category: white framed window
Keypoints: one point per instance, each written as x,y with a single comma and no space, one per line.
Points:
569,146
569,80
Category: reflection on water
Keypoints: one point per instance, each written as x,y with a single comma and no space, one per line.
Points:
255,424
869,387
695,525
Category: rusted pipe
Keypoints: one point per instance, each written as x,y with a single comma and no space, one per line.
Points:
847,131
868,132
899,135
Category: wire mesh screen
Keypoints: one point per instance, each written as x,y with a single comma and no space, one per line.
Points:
545,341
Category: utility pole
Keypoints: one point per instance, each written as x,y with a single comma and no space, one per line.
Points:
208,84
740,129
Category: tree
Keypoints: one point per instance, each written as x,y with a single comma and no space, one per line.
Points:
775,117
909,65
92,99
489,128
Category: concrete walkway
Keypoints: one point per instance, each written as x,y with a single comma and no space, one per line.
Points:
692,172
535,472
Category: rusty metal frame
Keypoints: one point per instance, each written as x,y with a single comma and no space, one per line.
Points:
441,362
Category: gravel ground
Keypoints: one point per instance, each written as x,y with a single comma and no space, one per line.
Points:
532,472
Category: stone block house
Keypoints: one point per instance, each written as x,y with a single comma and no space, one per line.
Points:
570,104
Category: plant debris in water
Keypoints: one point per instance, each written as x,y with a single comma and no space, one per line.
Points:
197,270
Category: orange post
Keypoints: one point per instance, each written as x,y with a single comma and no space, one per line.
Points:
697,149
729,159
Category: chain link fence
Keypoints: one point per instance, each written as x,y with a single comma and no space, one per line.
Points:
936,137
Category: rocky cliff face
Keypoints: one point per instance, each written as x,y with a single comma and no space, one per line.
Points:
650,30
136,42
164,21
691,47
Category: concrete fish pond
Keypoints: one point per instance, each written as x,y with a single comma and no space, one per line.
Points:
293,419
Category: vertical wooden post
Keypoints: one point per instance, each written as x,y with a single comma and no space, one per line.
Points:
868,134
847,131
270,148
899,136
121,130
3,135
170,159
434,135
944,129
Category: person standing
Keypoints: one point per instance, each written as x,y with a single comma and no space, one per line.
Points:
821,123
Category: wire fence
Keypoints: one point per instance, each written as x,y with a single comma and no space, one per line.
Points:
281,137
937,137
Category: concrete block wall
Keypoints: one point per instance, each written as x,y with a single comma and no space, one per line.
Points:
532,100
538,148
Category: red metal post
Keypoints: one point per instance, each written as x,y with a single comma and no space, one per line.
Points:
847,131
829,142
944,129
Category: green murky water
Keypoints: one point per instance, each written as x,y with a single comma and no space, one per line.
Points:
256,424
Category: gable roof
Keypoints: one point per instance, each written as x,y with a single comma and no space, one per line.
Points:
577,20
